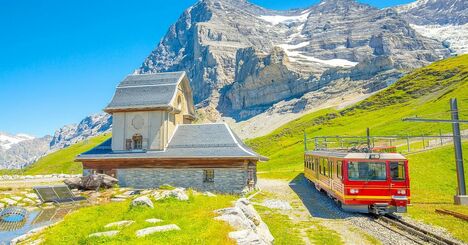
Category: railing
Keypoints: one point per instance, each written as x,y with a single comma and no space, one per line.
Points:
394,143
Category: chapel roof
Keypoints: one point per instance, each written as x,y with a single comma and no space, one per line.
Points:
146,91
189,141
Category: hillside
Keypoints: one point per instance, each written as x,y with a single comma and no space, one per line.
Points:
424,92
63,160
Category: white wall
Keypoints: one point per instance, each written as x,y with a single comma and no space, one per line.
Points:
124,128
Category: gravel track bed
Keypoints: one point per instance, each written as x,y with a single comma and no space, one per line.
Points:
320,206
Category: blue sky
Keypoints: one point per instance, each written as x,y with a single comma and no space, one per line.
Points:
61,60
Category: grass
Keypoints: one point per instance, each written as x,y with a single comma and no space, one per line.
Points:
281,227
61,161
433,185
195,218
425,92
322,235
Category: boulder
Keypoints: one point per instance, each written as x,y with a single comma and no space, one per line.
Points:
91,182
119,224
178,193
143,200
104,234
248,210
154,229
73,183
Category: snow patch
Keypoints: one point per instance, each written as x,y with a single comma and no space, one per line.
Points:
276,19
298,56
455,35
7,141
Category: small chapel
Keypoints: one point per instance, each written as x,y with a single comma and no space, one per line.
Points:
154,141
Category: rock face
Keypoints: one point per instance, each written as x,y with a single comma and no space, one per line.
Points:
21,150
91,182
89,127
242,59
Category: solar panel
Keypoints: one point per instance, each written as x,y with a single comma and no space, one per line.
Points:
57,194
63,192
46,193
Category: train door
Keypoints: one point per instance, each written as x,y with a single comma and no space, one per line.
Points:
399,184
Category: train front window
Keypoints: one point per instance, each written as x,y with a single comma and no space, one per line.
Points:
367,171
397,171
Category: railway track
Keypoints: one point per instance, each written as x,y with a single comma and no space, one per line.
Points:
414,233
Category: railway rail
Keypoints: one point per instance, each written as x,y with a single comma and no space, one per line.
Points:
414,233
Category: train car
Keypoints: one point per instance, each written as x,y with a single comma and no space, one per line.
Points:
361,182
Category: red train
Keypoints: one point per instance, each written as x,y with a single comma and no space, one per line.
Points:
361,182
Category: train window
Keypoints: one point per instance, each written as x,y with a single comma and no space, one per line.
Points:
330,168
367,171
339,169
397,170
325,167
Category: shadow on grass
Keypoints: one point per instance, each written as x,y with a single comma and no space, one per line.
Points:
317,203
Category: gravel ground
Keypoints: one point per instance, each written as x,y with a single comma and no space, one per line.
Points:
320,206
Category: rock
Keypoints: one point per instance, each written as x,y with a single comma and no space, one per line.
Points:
248,223
246,237
9,201
73,183
32,195
209,194
91,182
16,198
143,200
104,234
277,204
151,230
27,200
115,199
178,193
248,210
153,220
118,224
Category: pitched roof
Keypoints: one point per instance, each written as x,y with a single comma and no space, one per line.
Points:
146,91
188,141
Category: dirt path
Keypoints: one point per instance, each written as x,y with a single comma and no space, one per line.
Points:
310,205
304,211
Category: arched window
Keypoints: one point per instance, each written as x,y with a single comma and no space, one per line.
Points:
137,142
179,103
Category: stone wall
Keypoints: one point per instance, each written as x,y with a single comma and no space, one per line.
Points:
226,180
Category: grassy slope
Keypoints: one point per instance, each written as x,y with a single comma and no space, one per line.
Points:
195,218
63,161
423,92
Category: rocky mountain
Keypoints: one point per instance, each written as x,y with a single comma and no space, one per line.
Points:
89,127
435,12
17,151
244,60
444,20
7,140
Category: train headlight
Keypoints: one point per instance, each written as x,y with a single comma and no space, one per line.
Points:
401,192
354,191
